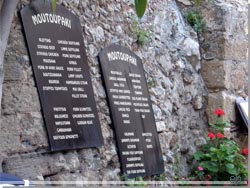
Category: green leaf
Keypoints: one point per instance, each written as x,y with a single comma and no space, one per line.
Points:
198,155
54,5
198,2
212,125
230,166
230,158
220,129
224,148
206,147
210,166
213,168
214,159
216,127
231,169
219,119
140,7
208,155
240,157
212,149
139,178
228,141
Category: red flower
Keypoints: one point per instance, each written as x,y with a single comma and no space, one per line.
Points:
211,135
219,112
209,176
245,152
220,135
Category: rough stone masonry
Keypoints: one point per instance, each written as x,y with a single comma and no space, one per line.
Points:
224,58
172,64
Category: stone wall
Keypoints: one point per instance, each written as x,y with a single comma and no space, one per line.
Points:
224,48
172,64
226,74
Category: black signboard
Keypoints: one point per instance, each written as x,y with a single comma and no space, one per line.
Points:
62,76
133,119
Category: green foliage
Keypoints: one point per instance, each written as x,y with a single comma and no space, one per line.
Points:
138,181
143,35
220,125
160,177
222,162
220,157
151,82
140,7
198,2
195,19
54,5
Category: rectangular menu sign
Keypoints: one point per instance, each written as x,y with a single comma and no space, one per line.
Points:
62,76
133,119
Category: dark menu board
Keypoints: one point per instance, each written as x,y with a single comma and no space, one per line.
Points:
62,76
133,119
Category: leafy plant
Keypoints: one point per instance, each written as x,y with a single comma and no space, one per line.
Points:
198,2
138,181
160,177
195,19
219,159
151,82
143,35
